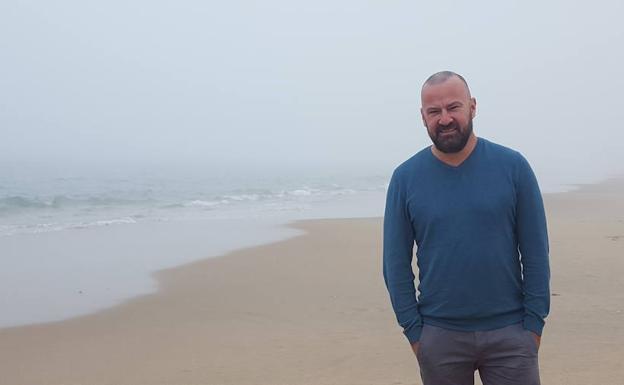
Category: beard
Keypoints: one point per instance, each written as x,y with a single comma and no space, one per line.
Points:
453,142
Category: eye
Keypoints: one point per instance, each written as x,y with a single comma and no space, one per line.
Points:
433,112
453,108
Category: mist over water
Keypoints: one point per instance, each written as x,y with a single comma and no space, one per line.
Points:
137,135
315,87
76,244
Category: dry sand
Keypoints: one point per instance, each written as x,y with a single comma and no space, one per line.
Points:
313,310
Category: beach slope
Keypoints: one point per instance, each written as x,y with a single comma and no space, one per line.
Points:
313,310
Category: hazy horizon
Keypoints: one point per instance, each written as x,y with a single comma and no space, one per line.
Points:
317,86
139,135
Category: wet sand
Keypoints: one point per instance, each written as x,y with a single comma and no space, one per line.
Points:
313,310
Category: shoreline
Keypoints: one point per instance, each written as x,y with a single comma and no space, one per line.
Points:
55,276
81,286
312,309
52,277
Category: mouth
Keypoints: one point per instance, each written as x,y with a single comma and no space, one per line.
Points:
444,131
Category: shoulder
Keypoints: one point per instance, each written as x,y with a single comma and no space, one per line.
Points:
502,154
510,162
412,165
499,150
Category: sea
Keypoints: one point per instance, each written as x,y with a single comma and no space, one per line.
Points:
75,240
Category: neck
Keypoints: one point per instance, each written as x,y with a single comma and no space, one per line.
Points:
457,158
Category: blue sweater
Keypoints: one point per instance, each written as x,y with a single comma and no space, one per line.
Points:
482,245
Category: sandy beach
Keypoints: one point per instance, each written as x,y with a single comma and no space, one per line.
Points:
313,310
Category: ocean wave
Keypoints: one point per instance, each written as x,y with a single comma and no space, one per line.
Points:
105,222
21,203
18,202
38,228
206,204
42,207
300,192
265,196
246,197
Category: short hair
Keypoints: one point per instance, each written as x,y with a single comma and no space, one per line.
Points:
442,76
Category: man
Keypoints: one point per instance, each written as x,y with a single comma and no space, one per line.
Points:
475,212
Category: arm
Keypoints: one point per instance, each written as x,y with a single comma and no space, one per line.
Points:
398,246
532,238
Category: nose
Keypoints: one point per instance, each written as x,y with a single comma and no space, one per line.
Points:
445,118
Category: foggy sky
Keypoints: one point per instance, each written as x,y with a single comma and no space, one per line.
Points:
282,83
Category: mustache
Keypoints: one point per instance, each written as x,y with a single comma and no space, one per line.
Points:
452,125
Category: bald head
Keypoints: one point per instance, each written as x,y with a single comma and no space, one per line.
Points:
447,111
443,76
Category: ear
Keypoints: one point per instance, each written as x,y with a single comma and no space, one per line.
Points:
473,107
422,116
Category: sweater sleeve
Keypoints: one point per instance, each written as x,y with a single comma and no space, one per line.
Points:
398,246
532,238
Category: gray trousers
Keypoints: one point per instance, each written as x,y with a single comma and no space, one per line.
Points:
505,356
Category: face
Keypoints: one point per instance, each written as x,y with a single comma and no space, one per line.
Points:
447,112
